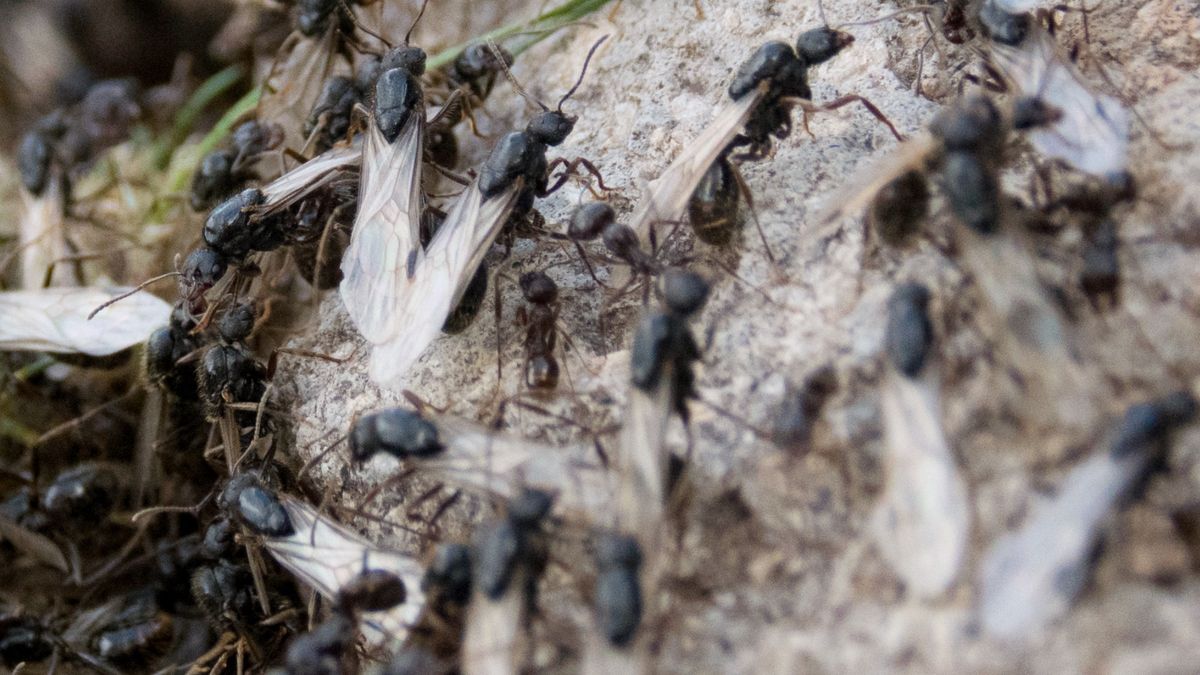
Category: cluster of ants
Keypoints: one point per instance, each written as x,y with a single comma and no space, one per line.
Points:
355,214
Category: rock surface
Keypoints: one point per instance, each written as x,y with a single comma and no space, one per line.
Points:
777,571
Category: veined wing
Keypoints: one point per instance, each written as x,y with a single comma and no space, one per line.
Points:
292,88
326,555
923,516
495,630
1093,133
500,465
442,273
56,320
1030,577
668,195
375,266
643,460
854,196
309,176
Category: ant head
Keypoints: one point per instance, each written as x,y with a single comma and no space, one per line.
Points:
589,221
551,127
821,44
411,59
538,288
968,124
684,292
529,507
202,269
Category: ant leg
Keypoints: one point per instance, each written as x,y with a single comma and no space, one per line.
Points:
853,98
273,360
570,168
746,194
448,106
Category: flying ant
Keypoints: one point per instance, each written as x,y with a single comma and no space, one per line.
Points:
764,90
424,285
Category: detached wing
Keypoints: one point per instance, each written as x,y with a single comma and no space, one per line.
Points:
375,266
325,556
441,275
56,320
667,196
1093,134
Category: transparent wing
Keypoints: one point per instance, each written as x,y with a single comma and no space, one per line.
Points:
1022,6
295,84
860,189
56,320
326,555
309,176
1093,133
1030,576
643,460
499,465
668,195
442,273
44,237
375,265
923,515
494,631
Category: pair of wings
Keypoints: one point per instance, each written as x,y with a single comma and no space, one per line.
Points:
326,556
1093,133
397,294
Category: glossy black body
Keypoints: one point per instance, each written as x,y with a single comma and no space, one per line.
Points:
899,207
522,154
909,335
541,330
498,548
618,596
323,650
332,111
236,323
372,590
223,590
818,45
33,161
213,179
82,495
248,500
478,66
469,304
713,207
1100,273
1009,29
1149,423
396,431
972,189
201,270
448,577
397,96
590,220
233,230
229,368
24,640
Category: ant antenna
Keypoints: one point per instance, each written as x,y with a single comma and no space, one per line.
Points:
354,20
424,4
924,9
131,292
582,72
495,49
